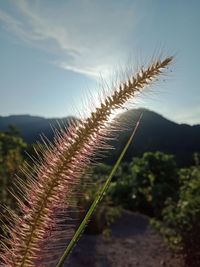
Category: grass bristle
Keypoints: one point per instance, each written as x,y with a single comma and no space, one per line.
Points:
34,235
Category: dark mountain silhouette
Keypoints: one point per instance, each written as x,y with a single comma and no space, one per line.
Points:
31,127
154,133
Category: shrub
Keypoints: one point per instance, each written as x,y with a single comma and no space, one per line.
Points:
11,157
147,184
181,219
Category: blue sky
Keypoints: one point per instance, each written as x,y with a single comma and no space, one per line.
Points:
52,53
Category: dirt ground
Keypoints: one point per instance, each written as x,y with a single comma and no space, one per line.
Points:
133,242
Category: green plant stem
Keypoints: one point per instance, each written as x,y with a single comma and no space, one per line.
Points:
96,201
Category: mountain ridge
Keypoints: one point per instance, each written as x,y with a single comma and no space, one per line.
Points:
155,133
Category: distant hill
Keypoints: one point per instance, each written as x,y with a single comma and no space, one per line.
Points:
32,126
155,133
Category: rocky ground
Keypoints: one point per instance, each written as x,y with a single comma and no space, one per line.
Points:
133,242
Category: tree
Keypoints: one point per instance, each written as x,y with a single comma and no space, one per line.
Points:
11,157
147,183
181,218
157,179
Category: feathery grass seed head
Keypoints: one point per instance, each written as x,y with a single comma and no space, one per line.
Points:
49,188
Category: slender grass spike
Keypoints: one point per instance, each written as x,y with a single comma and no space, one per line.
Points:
50,185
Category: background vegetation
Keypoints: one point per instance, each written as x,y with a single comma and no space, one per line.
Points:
151,184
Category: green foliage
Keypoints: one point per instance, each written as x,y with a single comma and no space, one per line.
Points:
147,183
151,184
181,218
11,157
12,149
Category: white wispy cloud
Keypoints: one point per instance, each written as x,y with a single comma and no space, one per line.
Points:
89,36
12,25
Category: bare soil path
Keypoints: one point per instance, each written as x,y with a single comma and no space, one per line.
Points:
132,243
